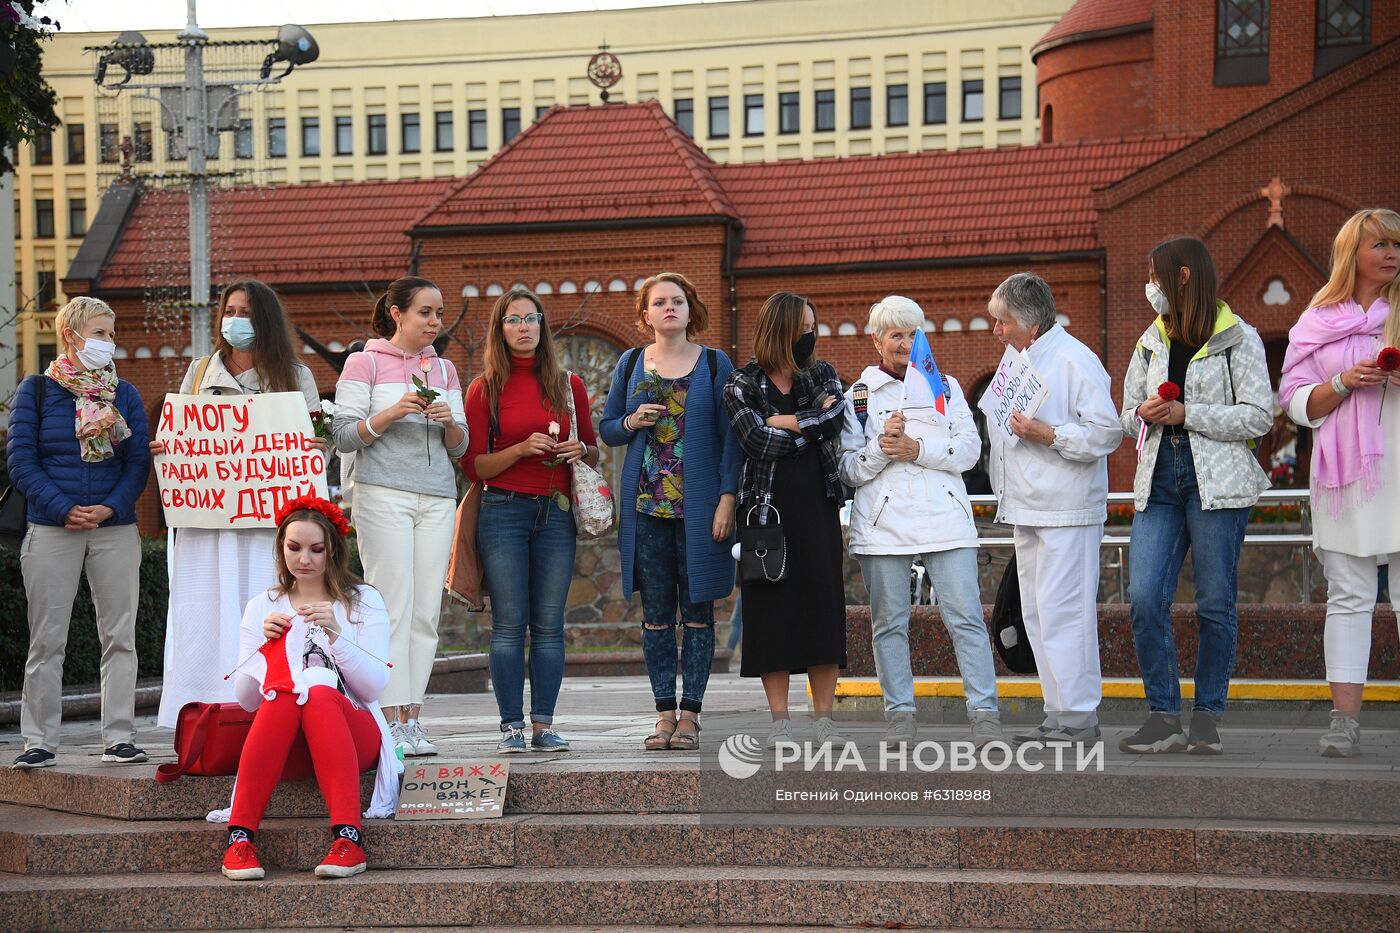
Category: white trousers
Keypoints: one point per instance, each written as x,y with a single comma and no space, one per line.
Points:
405,544
1058,569
1351,599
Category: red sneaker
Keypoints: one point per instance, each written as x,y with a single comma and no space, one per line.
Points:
343,860
241,862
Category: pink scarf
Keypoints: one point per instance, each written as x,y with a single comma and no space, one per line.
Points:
1349,446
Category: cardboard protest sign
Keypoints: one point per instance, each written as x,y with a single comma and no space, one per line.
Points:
1015,386
231,461
469,790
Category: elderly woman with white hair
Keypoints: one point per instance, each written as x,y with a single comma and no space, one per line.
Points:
910,502
77,449
1052,483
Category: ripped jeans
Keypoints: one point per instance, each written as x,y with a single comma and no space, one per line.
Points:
661,574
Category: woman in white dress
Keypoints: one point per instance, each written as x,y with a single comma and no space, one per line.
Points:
215,572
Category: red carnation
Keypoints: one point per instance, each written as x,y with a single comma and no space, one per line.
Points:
1169,391
1388,359
316,504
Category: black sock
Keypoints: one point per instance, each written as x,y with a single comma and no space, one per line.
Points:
346,831
239,834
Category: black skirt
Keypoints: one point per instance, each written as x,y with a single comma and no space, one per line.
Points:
800,622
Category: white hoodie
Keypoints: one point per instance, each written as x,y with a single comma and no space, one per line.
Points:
918,506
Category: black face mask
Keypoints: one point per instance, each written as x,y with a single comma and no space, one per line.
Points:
805,346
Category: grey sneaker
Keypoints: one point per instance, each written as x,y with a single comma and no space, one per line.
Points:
986,727
1037,734
512,741
1161,733
1203,738
1086,736
398,732
419,738
902,730
779,733
824,732
1343,738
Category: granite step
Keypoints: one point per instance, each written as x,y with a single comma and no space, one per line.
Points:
700,895
40,842
1171,787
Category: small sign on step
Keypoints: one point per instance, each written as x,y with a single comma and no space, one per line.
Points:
444,790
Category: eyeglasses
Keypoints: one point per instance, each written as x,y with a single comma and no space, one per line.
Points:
515,320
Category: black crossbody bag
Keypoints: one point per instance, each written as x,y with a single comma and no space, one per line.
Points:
763,550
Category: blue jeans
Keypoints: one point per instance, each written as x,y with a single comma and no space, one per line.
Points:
1173,522
665,585
953,575
527,552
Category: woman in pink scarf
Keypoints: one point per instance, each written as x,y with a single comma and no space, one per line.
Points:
1334,383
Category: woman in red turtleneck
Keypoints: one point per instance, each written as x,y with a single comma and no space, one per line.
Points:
521,447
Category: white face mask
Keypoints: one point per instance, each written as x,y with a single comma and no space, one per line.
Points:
238,331
95,353
1157,298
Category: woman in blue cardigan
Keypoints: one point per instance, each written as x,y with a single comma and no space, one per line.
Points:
77,449
677,495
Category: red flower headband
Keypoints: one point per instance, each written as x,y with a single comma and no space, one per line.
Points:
315,504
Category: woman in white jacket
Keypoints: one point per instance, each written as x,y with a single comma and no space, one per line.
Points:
1196,481
1052,483
313,665
910,502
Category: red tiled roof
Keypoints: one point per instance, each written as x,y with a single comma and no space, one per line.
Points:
580,164
1090,17
297,234
918,206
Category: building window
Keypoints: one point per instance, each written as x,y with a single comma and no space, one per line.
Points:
685,115
824,117
243,140
860,108
43,217
510,123
541,110
1241,42
1343,33
377,140
277,138
1009,98
141,142
753,114
107,143
310,136
972,103
719,117
77,144
897,105
43,147
936,102
790,112
476,129
1047,125
411,132
442,131
77,216
344,136
46,297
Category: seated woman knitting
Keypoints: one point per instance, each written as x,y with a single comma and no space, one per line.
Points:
313,649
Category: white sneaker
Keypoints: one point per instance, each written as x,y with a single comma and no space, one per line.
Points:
780,732
824,732
419,738
1343,738
398,732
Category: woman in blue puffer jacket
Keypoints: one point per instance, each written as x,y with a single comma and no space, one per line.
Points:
78,451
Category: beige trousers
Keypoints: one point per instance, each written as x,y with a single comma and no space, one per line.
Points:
53,560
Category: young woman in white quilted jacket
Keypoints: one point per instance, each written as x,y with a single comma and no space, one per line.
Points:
1197,479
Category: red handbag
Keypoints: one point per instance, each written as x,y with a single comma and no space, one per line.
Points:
209,741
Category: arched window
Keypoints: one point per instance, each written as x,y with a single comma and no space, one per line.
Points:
617,285
1062,320
544,288
143,353
978,323
847,329
567,288
952,324
592,287
495,289
823,330
1047,125
167,353
637,285
470,291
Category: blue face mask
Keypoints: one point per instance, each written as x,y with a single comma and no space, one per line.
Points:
238,331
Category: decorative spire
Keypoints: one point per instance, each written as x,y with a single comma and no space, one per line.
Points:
604,70
1276,191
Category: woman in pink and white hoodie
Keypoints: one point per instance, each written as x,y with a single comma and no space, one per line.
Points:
406,437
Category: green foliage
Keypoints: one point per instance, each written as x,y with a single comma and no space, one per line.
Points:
82,661
26,100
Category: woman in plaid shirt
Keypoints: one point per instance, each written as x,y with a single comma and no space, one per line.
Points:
788,411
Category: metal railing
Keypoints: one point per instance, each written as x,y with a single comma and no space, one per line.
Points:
1119,543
